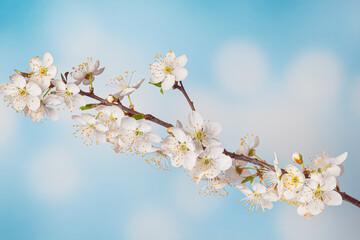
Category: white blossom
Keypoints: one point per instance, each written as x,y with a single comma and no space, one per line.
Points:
204,132
44,71
169,70
247,149
23,94
69,92
87,72
182,147
90,127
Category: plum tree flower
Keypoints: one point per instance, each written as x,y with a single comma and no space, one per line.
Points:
330,166
69,92
259,198
273,178
136,135
168,70
124,82
182,147
86,72
46,104
22,93
210,163
111,116
320,192
44,71
89,127
246,149
203,132
292,182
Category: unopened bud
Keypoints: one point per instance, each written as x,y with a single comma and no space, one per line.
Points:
297,158
111,98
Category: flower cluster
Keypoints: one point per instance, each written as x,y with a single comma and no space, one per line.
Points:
194,146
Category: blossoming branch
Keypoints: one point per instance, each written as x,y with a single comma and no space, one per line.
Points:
193,146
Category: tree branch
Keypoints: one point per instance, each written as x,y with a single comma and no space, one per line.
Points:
156,120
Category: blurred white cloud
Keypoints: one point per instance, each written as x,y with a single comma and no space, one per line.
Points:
152,223
186,196
241,66
328,225
288,116
315,78
53,175
7,124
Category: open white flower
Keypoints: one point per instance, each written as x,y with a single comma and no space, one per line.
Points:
69,92
159,157
204,132
292,182
136,135
330,166
168,70
319,191
211,163
89,127
258,198
111,116
124,82
246,149
45,108
182,147
272,178
22,94
44,71
87,72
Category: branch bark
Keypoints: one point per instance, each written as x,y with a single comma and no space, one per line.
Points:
156,120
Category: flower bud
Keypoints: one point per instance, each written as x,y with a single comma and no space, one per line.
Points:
111,98
297,158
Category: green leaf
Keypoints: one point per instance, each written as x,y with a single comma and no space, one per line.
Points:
162,92
88,106
138,116
248,178
156,84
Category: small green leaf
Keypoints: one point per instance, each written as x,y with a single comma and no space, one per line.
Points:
88,106
162,92
138,116
156,84
248,178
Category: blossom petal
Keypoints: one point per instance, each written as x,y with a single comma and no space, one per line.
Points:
32,102
180,73
73,88
98,71
52,71
33,89
18,80
47,59
94,66
129,123
258,188
332,198
329,184
180,61
79,75
340,159
138,84
35,64
195,120
168,82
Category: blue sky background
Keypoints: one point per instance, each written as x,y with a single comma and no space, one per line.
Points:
284,70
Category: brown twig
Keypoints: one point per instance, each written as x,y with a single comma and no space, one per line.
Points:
182,89
156,120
